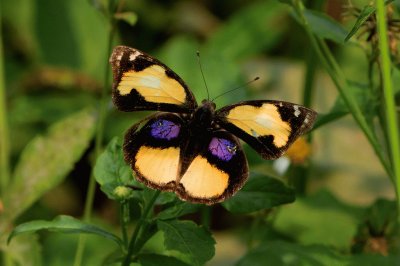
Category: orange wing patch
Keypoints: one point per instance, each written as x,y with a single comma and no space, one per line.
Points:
153,85
261,121
203,180
159,166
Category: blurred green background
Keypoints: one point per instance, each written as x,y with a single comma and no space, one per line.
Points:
55,56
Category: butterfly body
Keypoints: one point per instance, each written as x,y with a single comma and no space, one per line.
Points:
190,149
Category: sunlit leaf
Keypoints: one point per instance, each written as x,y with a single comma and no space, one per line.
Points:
260,192
47,160
63,224
188,238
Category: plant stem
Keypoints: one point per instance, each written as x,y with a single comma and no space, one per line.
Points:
135,233
4,137
4,133
97,150
331,66
390,107
124,220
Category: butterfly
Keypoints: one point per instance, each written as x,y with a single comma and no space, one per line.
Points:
190,149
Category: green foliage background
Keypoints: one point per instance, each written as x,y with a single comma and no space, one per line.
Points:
59,130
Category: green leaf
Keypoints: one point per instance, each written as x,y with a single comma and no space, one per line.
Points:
285,253
260,192
63,224
112,173
178,209
156,260
47,160
188,238
304,218
324,26
365,13
128,17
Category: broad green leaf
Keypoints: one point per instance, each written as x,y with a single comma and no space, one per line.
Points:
112,173
157,260
256,28
178,209
260,192
324,26
128,17
47,160
319,219
289,254
188,238
63,224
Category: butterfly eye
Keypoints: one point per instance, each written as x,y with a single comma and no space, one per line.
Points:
164,129
222,148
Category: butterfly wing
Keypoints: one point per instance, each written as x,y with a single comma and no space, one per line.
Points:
217,168
269,127
200,169
141,82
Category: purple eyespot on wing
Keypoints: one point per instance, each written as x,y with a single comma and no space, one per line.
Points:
164,129
222,148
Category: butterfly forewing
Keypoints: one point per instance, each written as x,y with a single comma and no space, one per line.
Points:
269,127
141,82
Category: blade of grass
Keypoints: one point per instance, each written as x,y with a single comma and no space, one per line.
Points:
390,107
4,136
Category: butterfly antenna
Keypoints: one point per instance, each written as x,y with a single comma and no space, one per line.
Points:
241,86
202,74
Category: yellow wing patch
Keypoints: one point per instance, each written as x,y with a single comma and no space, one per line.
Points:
153,85
159,166
203,180
261,121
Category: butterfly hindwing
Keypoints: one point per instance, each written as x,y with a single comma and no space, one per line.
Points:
141,82
202,169
269,127
153,150
216,171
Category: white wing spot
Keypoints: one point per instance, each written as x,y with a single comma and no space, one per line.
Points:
150,82
254,133
133,56
296,110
